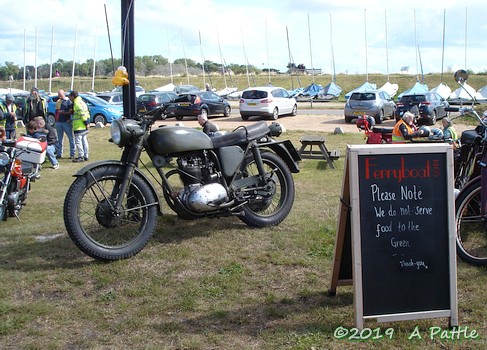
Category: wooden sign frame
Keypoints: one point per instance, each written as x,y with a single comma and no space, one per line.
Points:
348,264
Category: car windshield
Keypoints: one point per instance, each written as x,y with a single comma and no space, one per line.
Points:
254,94
413,98
95,100
185,98
363,96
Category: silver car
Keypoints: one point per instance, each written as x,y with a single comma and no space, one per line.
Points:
375,103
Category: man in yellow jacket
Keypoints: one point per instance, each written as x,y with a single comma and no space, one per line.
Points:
80,118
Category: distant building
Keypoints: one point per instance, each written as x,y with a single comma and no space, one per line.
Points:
405,70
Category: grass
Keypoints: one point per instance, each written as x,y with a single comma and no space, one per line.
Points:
206,284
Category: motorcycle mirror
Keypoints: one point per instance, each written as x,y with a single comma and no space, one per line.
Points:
461,76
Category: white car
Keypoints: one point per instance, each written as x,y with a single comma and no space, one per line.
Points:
267,101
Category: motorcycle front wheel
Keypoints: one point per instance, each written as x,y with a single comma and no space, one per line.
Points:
471,225
96,227
269,206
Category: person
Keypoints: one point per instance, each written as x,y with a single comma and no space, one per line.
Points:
45,130
35,106
80,118
405,130
8,117
63,124
449,132
208,127
207,87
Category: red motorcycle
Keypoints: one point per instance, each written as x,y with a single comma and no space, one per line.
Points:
374,134
19,164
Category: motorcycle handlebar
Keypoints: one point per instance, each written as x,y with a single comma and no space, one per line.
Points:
452,109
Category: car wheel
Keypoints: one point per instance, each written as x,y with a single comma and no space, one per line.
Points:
295,110
380,117
275,114
433,118
227,111
51,120
348,120
99,118
179,117
244,117
204,113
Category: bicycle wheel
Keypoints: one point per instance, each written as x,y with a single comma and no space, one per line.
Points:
471,225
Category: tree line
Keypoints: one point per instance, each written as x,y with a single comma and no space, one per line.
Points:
144,66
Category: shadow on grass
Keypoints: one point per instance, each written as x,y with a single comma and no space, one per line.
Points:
299,315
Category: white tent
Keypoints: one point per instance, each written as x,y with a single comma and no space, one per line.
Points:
168,87
12,91
390,89
443,90
364,87
481,95
461,94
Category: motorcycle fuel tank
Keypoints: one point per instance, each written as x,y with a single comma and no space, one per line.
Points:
176,139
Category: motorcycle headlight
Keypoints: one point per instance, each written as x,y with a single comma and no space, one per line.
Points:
4,159
124,131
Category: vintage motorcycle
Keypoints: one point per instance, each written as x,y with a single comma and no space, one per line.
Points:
111,208
19,165
374,134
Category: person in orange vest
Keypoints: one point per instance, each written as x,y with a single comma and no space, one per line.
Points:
405,130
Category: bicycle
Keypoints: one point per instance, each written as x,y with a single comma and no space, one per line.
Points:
471,201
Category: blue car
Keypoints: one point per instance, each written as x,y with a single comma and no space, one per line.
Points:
100,110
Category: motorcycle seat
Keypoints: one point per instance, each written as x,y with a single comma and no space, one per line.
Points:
382,130
470,137
242,134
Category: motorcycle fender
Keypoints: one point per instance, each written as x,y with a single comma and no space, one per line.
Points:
286,150
100,163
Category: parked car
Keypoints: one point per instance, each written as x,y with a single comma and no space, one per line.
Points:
150,101
375,103
198,102
267,101
139,90
100,110
430,107
113,98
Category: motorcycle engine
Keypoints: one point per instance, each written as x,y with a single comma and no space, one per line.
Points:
202,192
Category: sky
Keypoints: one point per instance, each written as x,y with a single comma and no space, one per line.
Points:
347,36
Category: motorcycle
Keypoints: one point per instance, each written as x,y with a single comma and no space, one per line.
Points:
111,208
374,134
19,165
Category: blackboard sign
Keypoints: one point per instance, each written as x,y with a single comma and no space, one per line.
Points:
402,232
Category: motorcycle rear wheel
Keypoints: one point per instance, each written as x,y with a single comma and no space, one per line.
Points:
471,225
93,224
262,211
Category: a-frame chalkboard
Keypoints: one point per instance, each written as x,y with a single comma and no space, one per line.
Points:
396,225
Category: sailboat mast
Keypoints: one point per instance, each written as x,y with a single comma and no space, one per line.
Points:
94,61
24,61
443,45
310,52
221,59
387,47
366,59
332,54
35,62
50,65
291,68
203,61
185,59
245,57
74,57
416,45
169,57
267,45
465,38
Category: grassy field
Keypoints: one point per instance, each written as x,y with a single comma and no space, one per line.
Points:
206,284
346,82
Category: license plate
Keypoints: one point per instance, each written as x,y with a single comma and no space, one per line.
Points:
251,104
184,104
359,113
142,110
